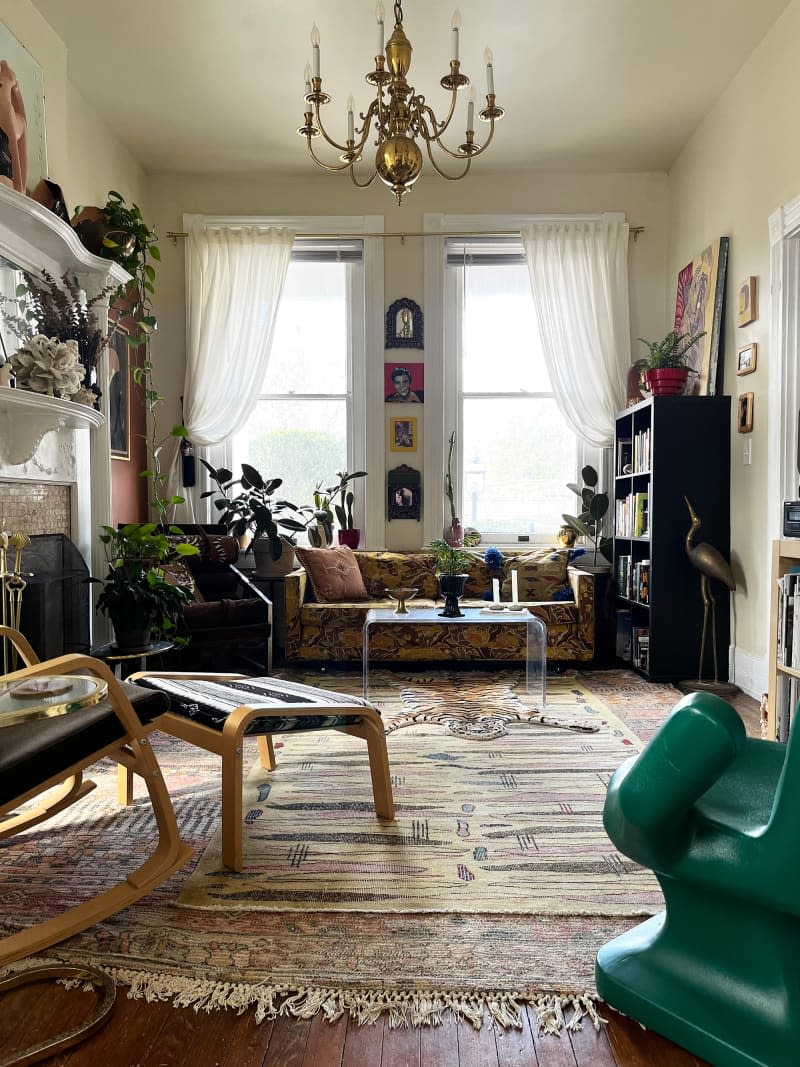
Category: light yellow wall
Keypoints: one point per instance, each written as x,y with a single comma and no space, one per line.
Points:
742,163
642,196
83,155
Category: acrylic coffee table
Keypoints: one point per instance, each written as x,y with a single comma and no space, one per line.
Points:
536,638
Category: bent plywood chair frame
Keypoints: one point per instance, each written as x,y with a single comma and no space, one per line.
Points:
228,743
132,752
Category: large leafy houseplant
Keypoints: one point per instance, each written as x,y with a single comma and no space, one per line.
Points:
137,596
245,506
594,508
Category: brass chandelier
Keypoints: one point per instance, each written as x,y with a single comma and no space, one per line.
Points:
400,114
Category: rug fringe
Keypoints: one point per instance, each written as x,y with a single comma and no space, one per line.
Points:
499,1008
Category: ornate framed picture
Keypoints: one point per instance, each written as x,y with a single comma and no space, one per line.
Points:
745,418
748,307
404,324
404,493
119,395
746,359
403,435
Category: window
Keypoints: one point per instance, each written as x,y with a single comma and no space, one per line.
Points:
516,452
301,428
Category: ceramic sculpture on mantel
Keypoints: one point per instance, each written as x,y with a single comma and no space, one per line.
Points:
14,130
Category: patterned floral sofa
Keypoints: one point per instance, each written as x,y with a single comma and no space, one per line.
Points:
331,631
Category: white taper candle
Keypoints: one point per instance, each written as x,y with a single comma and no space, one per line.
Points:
514,588
455,24
315,49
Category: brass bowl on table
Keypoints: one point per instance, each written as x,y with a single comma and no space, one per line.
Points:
401,595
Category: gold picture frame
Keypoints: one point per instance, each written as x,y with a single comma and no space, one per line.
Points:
745,420
748,302
403,434
746,359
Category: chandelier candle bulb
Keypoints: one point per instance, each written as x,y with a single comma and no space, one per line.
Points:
471,111
487,58
514,587
350,119
315,49
455,24
379,13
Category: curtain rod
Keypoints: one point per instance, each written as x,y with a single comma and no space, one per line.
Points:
634,231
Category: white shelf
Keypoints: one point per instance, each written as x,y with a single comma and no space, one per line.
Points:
25,418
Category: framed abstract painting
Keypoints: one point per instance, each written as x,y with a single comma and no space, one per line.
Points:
699,304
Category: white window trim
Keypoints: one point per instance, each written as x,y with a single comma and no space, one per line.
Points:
442,410
366,444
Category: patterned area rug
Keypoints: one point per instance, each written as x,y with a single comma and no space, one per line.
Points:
413,966
510,826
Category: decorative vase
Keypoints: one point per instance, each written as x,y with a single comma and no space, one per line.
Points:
454,534
350,537
265,565
452,589
566,536
666,381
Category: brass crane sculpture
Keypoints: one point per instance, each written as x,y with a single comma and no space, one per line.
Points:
710,563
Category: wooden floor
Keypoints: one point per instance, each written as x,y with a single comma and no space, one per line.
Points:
158,1035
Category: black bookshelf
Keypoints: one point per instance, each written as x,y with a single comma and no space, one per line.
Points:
683,451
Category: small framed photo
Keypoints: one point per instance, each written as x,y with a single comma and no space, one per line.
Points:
403,435
746,360
404,324
745,413
404,493
748,307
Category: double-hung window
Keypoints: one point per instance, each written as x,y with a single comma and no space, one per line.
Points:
302,428
515,451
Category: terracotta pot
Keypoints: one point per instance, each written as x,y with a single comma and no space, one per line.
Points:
350,537
667,381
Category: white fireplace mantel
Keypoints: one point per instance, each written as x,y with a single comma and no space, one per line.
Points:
34,239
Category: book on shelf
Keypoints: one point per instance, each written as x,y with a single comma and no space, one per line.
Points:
623,576
640,586
640,639
623,635
788,636
641,505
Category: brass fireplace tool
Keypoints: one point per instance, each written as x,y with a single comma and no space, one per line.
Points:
12,586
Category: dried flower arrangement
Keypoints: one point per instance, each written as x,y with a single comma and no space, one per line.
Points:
59,309
47,365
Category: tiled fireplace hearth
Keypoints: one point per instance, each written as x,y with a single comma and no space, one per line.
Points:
35,507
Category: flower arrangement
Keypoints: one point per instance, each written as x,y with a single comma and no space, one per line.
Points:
47,365
59,309
493,558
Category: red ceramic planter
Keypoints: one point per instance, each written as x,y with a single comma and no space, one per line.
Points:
667,381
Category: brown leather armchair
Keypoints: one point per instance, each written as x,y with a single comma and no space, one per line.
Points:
228,621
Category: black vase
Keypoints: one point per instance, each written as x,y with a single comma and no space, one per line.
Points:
452,588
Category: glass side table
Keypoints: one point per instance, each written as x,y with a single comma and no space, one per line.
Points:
46,695
536,638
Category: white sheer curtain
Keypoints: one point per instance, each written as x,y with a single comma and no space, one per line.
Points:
579,278
235,276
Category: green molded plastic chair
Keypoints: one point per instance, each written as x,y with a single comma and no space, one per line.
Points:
716,816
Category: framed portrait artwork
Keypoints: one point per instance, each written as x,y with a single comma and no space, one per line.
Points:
403,435
698,309
404,383
748,309
745,416
119,395
404,324
403,493
746,359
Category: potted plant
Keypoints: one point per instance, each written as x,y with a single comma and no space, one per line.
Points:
451,563
666,373
253,511
348,534
454,533
136,596
589,524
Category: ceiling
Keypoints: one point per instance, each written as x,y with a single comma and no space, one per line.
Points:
588,85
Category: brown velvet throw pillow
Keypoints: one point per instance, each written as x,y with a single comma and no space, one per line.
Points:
333,573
